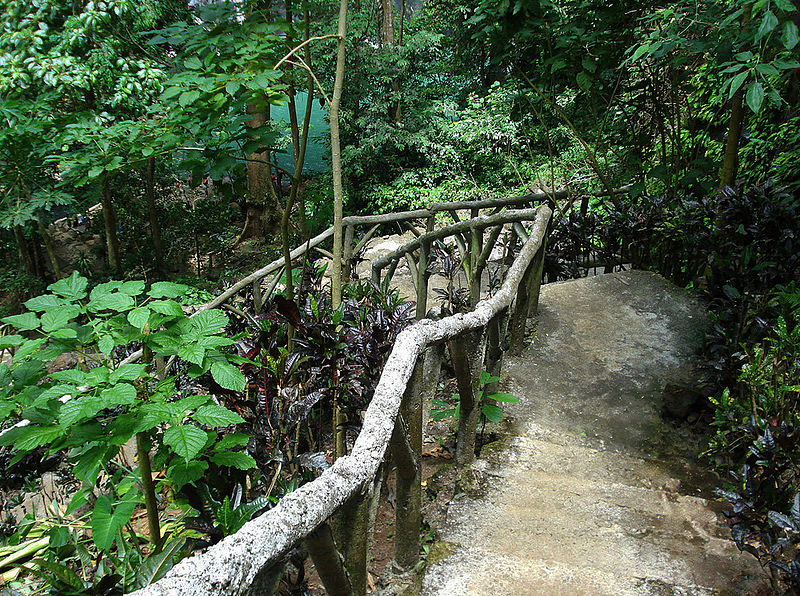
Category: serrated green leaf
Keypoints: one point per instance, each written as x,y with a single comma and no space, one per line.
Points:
234,459
28,348
167,307
755,96
209,322
57,318
27,321
32,437
167,289
104,289
232,87
121,394
45,302
228,376
214,415
188,98
138,317
192,352
115,301
235,439
185,440
584,81
11,341
191,402
193,63
79,410
106,344
185,472
132,288
785,5
73,375
487,378
72,288
128,372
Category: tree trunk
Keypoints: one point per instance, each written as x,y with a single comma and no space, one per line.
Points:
155,229
263,211
730,162
25,258
110,226
387,22
336,157
48,246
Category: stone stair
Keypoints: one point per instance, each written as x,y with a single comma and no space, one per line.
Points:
594,493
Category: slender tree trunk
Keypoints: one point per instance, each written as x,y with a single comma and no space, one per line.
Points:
48,246
387,22
25,257
336,157
110,226
155,228
730,162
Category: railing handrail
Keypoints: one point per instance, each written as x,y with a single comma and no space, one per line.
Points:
234,564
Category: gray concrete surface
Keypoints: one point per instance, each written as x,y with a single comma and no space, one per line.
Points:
593,493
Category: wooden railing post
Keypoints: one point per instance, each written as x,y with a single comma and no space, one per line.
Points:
468,350
495,338
328,562
407,452
258,300
517,326
354,534
422,276
431,369
535,280
475,248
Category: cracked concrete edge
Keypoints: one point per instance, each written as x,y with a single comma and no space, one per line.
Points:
235,564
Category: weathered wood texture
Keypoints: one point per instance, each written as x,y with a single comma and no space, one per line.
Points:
232,566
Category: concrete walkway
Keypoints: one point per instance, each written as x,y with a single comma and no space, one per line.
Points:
594,494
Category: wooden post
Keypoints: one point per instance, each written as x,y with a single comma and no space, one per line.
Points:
535,279
431,369
328,561
353,532
407,452
258,300
468,352
475,246
495,337
517,326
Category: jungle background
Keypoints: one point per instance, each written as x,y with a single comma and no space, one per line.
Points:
153,152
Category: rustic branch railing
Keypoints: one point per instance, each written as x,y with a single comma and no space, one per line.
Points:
249,561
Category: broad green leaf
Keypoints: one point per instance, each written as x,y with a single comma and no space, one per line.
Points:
584,81
236,439
744,56
209,322
65,333
188,98
128,372
215,341
190,403
192,352
782,64
79,410
138,317
147,151
506,397
72,288
167,307
104,288
57,318
121,394
116,301
767,69
185,472
755,96
785,5
768,23
132,288
232,87
27,321
193,63
97,375
214,415
640,51
790,36
73,375
228,376
167,289
106,521
487,378
235,459
492,412
106,344
28,348
32,437
45,302
737,82
10,341
186,440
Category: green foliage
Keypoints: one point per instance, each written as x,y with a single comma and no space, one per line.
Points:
93,409
491,410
